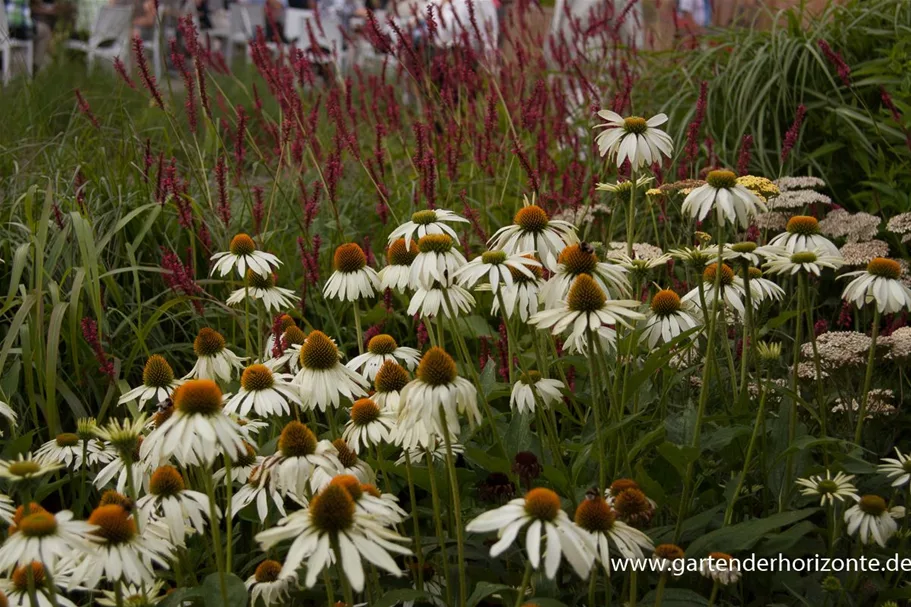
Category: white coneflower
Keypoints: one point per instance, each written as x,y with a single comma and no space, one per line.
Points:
158,383
437,451
426,222
522,296
532,230
67,449
198,431
268,585
243,467
302,464
260,287
668,558
134,595
369,425
388,384
624,187
396,275
732,202
599,520
214,360
26,468
7,412
352,465
16,591
587,309
322,378
7,509
259,489
352,279
898,468
780,261
431,302
497,267
437,261
264,392
666,320
332,530
579,259
731,290
720,567
242,254
633,138
381,348
43,537
284,322
177,507
120,553
291,341
125,438
762,289
802,234
436,386
368,500
541,513
829,488
879,283
872,520
744,252
522,397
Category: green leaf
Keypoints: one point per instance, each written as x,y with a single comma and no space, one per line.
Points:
235,590
484,589
179,597
678,456
743,536
676,597
394,597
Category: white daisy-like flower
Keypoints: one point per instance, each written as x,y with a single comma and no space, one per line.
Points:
829,488
214,360
182,510
289,358
262,288
720,567
668,558
880,283
119,551
134,596
16,591
302,464
437,451
638,266
268,585
732,202
578,259
158,383
352,465
587,309
26,467
898,468
388,384
43,537
436,386
762,289
396,275
116,468
7,412
369,501
323,379
872,520
249,428
67,449
731,289
381,348
242,255
332,530
780,261
802,234
666,320
243,467
522,297
197,432
432,221
745,253
497,267
281,324
352,278
369,425
522,397
624,187
264,392
7,509
432,301
258,489
533,230
633,138
595,516
437,261
541,513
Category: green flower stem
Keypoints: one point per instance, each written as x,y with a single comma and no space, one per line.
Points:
715,587
456,509
229,520
357,327
526,578
817,368
416,519
215,529
868,378
593,587
659,591
747,336
757,425
630,215
632,588
792,413
343,579
596,408
247,320
438,523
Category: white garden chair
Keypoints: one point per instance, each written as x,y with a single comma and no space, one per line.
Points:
8,44
110,36
242,24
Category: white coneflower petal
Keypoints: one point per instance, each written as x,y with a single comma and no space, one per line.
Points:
523,394
426,222
829,488
897,469
534,231
242,255
263,392
323,380
633,138
871,519
214,360
380,349
732,202
879,283
352,279
262,288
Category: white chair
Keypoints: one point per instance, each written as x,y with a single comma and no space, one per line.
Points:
294,22
7,44
110,36
244,19
330,41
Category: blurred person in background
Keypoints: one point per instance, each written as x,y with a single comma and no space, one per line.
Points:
23,26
